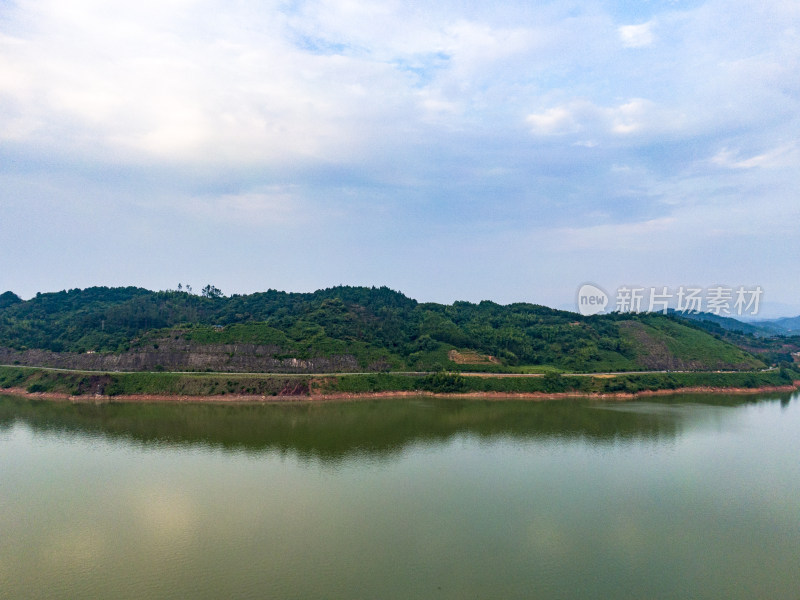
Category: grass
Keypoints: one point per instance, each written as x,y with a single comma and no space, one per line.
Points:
79,383
694,347
555,383
520,369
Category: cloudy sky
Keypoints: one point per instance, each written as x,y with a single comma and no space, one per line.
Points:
453,150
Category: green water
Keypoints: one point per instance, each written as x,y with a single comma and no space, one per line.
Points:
692,497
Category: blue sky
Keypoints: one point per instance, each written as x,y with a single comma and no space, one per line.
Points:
465,150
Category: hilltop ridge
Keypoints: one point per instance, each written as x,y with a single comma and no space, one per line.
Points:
344,328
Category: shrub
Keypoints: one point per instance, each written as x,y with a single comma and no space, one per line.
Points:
444,382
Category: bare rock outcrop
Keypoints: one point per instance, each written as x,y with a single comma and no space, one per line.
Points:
185,356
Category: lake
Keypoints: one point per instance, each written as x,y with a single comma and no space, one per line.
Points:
679,497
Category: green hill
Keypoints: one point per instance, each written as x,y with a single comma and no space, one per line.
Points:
341,329
770,344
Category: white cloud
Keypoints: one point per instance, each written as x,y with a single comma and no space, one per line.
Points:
631,235
782,156
554,121
475,45
143,83
631,117
209,82
635,116
298,108
273,206
637,36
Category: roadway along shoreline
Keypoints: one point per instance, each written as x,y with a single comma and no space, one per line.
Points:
361,373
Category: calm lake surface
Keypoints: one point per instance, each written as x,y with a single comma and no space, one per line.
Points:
687,497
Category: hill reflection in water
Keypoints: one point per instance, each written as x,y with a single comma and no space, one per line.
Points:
375,428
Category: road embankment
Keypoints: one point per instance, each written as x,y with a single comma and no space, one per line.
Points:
81,386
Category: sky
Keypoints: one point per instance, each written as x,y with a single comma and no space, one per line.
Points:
457,150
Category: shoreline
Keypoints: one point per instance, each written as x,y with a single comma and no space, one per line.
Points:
351,397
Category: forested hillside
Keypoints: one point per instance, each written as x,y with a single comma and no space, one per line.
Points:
340,329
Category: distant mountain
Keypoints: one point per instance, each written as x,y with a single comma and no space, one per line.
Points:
775,342
764,328
345,329
787,325
770,327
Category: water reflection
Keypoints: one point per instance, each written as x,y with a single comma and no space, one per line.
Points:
685,497
335,431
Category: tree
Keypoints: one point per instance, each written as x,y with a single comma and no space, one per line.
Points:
9,298
211,292
444,382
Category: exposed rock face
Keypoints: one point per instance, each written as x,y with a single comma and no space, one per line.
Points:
184,356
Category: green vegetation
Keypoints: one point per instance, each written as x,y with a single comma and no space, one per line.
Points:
443,382
770,348
347,329
78,383
666,343
172,384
